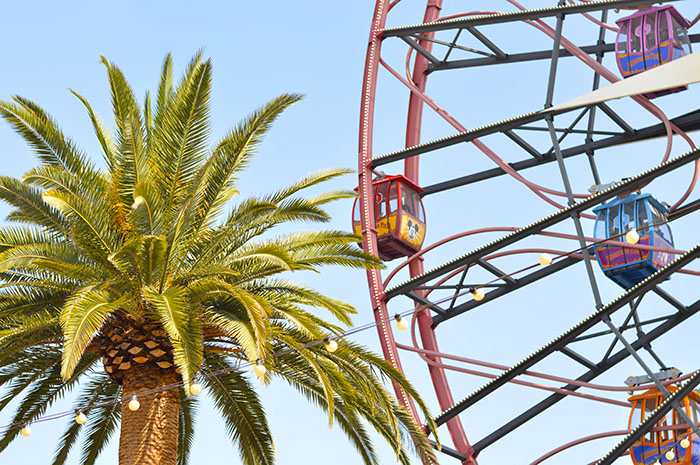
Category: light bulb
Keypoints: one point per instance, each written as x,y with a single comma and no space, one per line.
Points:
670,455
80,418
330,344
545,259
401,323
685,443
195,388
134,404
478,294
26,431
259,368
632,236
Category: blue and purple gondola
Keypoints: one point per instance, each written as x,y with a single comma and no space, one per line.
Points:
628,266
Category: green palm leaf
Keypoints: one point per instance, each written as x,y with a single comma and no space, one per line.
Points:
101,131
241,410
82,318
98,389
30,206
183,327
42,134
102,424
231,156
188,407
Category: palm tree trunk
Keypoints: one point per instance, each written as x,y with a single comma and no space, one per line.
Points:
149,435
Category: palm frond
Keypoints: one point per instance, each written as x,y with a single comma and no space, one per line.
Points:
129,163
30,207
102,424
83,222
188,407
97,389
294,292
45,137
82,317
306,182
101,132
179,143
240,407
346,418
165,89
183,327
43,392
219,174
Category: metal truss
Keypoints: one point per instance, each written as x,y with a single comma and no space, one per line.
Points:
498,56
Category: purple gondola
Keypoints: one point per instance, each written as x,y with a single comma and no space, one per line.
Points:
650,38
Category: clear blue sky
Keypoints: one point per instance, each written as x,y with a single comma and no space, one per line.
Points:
261,49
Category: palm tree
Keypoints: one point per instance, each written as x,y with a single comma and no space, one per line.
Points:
138,281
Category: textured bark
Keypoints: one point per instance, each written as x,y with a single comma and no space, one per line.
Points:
149,435
127,343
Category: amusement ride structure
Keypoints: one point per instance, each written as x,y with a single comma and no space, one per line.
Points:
626,72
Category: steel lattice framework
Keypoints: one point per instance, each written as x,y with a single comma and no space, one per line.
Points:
424,288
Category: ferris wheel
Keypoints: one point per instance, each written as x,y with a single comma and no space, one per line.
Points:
514,114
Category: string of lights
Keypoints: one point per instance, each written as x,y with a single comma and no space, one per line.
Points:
631,237
330,344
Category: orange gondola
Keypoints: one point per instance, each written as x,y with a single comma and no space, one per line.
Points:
667,434
399,217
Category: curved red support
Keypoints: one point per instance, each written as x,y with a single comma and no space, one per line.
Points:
411,165
600,387
369,234
579,441
602,435
424,354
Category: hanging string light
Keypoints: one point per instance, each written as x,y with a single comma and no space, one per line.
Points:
134,404
545,259
632,236
401,324
669,453
195,388
26,431
330,344
477,293
80,417
259,368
